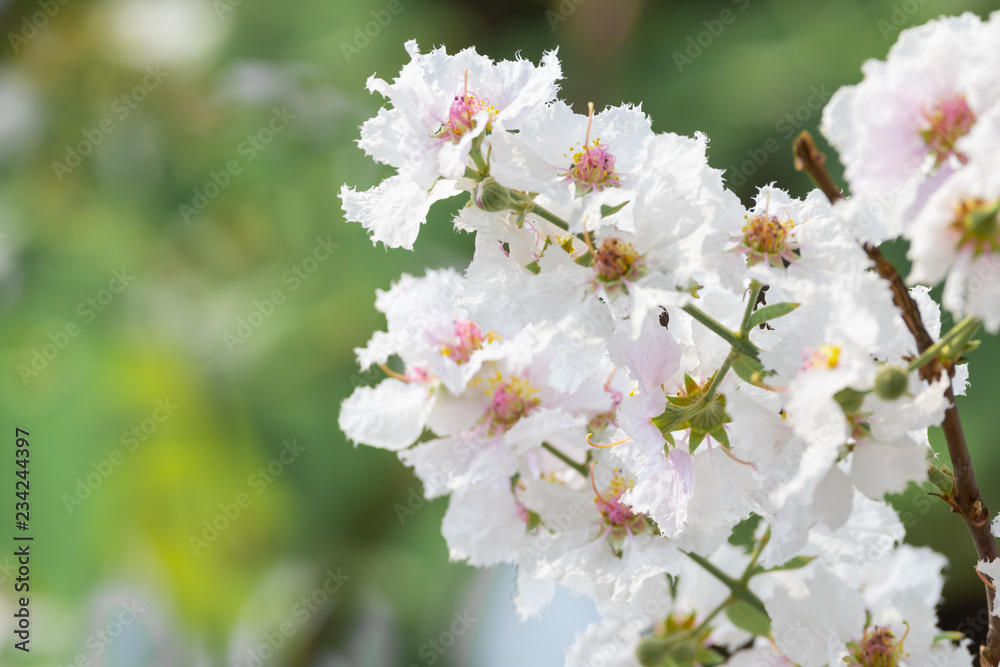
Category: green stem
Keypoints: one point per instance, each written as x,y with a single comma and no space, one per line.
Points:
708,619
477,156
960,333
739,589
547,215
755,288
717,379
739,344
748,573
579,467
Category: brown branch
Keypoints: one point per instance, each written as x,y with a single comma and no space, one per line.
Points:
967,500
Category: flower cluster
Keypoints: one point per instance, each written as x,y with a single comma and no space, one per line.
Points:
644,391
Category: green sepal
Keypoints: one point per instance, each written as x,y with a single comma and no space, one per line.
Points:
721,435
611,210
533,521
533,267
768,313
748,369
850,400
697,435
586,259
748,617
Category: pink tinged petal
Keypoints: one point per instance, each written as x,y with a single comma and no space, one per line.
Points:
652,359
633,418
390,416
684,466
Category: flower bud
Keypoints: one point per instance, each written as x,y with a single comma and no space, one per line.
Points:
493,197
891,382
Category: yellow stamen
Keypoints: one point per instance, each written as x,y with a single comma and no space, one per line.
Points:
592,444
393,374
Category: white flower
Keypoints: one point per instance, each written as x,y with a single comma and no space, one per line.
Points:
957,236
897,130
441,105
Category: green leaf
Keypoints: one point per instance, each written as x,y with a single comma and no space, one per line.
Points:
746,367
942,478
748,617
533,521
611,210
709,657
743,533
586,259
770,312
533,267
794,564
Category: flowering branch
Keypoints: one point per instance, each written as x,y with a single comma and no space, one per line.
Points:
967,500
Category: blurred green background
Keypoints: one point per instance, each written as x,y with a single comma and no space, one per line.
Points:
166,165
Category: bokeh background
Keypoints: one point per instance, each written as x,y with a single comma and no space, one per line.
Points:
166,165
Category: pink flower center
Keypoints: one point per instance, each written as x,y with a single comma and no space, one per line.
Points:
824,357
767,238
878,648
616,260
461,116
950,120
620,522
510,399
593,168
467,339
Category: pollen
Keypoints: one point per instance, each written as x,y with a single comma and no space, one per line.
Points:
616,260
593,165
822,357
461,115
511,398
878,648
466,339
768,239
618,519
946,123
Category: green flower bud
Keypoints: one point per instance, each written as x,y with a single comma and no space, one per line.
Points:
493,197
891,382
